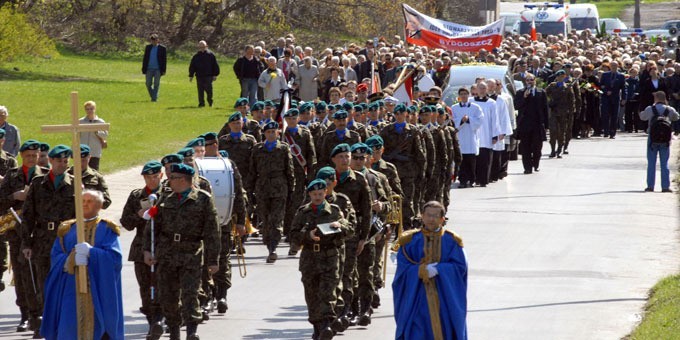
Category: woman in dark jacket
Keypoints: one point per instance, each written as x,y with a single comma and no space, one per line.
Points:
647,88
631,115
591,87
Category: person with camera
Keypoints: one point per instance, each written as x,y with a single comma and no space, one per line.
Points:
659,115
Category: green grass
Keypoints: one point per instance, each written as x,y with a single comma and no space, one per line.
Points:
38,93
614,8
662,313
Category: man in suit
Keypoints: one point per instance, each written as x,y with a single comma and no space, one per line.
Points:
154,65
277,52
532,106
613,85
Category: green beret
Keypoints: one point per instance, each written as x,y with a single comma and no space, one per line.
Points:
373,106
257,106
199,141
152,168
326,173
305,107
270,125
321,106
364,106
560,72
60,151
30,144
269,103
2,133
172,158
412,109
348,106
317,184
291,113
359,108
234,117
340,148
294,103
209,136
44,147
182,169
375,141
361,148
224,153
381,103
241,102
427,109
338,107
340,114
186,152
441,110
401,108
84,150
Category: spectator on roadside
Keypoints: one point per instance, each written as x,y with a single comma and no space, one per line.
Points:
272,81
12,137
248,69
288,65
307,80
95,140
333,81
655,114
277,52
154,65
204,66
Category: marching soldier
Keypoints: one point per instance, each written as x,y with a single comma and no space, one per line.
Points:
441,162
132,219
430,154
49,202
187,236
198,144
317,126
304,160
455,154
561,103
43,159
272,179
188,155
250,126
319,261
373,117
92,179
334,136
7,162
13,190
403,148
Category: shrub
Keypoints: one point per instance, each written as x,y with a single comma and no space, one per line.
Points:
20,38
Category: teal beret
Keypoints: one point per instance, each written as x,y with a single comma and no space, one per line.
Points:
234,117
359,108
60,151
241,102
294,103
340,148
199,141
209,136
338,107
84,150
560,72
257,106
326,173
381,103
364,106
172,158
269,103
291,113
317,184
340,114
224,153
306,107
441,111
361,148
412,109
44,147
375,141
182,169
401,108
270,125
348,106
321,106
373,106
30,144
152,168
427,109
2,133
186,152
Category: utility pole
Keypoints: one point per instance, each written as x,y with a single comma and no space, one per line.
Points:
636,15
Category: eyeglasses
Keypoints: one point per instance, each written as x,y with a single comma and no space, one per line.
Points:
359,158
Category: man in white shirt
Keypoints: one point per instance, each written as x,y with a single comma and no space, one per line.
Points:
468,119
489,134
505,124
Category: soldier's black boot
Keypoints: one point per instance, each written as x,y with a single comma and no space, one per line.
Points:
364,313
552,151
337,326
559,151
325,331
156,327
315,334
376,300
23,323
344,319
272,253
174,332
222,299
191,331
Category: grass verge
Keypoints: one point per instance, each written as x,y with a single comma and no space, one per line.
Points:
614,8
36,92
662,312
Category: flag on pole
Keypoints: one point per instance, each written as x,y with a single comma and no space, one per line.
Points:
533,30
404,93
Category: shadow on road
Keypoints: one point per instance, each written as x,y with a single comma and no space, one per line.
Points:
556,304
571,195
292,313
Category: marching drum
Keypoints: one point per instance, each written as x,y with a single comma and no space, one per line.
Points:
220,174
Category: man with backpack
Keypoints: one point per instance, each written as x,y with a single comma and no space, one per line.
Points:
660,115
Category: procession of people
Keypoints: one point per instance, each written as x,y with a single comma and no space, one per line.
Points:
328,160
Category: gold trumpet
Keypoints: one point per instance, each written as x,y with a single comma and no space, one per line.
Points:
9,221
394,217
240,256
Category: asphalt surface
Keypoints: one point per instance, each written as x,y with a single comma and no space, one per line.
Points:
566,253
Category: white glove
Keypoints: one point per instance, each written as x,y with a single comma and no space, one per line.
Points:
81,260
432,270
393,257
83,249
146,215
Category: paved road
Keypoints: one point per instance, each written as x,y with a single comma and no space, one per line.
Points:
566,253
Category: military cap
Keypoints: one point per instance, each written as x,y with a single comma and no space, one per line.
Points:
412,109
391,100
44,147
60,151
375,141
305,107
359,108
182,169
199,141
427,109
30,144
374,97
381,103
441,110
224,153
362,87
321,106
401,108
326,173
2,133
431,100
84,150
270,125
269,103
241,102
338,107
209,136
340,114
172,158
152,168
291,113
257,106
294,103
348,106
340,148
186,152
317,184
559,73
373,106
234,117
361,148
567,65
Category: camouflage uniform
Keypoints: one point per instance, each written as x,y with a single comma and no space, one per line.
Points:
303,175
405,151
345,205
380,244
561,111
451,136
44,209
330,140
250,127
94,180
578,102
240,149
272,179
187,237
317,130
7,162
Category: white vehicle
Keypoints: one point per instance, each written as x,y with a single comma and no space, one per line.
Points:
584,16
465,75
610,24
510,20
550,19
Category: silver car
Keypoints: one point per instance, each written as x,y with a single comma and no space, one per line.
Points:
465,75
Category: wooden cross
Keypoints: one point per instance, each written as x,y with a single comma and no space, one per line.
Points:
75,128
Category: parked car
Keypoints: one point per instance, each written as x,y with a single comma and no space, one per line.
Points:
610,24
